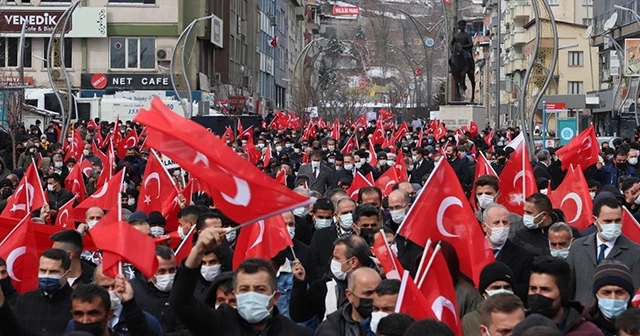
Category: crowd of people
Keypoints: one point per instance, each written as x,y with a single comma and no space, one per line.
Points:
548,278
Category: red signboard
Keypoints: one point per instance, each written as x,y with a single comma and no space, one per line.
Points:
418,72
222,102
346,10
555,106
237,101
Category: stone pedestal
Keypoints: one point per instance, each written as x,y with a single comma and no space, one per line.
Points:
456,116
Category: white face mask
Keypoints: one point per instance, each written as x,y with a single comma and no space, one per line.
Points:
181,232
231,236
131,201
86,152
260,145
390,163
278,148
51,187
397,216
358,165
338,168
210,272
382,162
336,269
315,164
330,160
164,282
157,231
530,221
544,191
92,223
253,307
561,253
58,164
296,150
609,232
322,223
331,148
176,172
485,200
592,194
301,211
492,292
346,221
410,168
348,166
115,300
632,161
499,235
292,231
394,249
375,319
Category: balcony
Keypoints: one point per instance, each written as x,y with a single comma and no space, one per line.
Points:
522,11
520,36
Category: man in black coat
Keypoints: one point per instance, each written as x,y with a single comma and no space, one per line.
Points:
496,223
460,166
256,294
361,164
541,168
421,165
57,196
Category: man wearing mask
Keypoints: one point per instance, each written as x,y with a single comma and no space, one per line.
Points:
134,163
153,294
496,278
399,203
88,154
59,167
560,240
28,156
421,165
329,230
210,269
607,243
613,288
256,295
56,195
385,297
549,293
539,215
501,314
319,174
80,270
361,164
541,168
187,218
46,310
367,221
348,320
487,190
460,166
327,294
630,188
347,171
500,161
617,167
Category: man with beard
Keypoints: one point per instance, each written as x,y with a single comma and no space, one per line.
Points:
618,166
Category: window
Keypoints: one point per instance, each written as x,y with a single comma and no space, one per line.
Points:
9,52
68,52
575,88
587,21
587,2
553,2
132,53
55,1
145,2
576,58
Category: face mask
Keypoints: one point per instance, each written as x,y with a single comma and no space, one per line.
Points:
322,223
176,173
331,160
530,221
540,304
253,307
492,292
365,307
414,158
561,253
324,149
315,164
375,319
348,166
296,150
383,162
410,168
358,165
609,157
115,300
32,150
397,216
499,235
544,191
58,164
278,148
181,232
390,163
49,283
301,211
244,142
210,272
231,236
92,223
86,152
367,234
612,308
338,168
394,249
164,282
95,329
592,194
157,231
484,200
610,232
346,221
292,231
260,145
287,145
632,161
331,148
336,269
131,201
368,160
51,187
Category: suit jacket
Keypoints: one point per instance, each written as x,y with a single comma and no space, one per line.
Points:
519,260
582,258
320,183
419,171
540,170
322,247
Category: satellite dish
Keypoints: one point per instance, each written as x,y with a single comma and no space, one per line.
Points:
588,31
611,22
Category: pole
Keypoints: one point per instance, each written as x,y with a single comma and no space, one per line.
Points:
527,75
446,50
544,124
498,61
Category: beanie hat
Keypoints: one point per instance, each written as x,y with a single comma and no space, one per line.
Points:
611,272
493,272
155,217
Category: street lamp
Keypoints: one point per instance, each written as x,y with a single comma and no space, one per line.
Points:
634,13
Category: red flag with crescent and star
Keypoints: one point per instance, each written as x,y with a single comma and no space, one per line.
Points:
85,167
517,169
106,198
130,140
19,251
582,150
440,131
156,186
74,147
239,190
74,182
630,227
443,204
572,196
401,166
387,180
28,196
388,260
264,239
359,181
63,219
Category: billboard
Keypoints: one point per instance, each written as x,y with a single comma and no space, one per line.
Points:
632,57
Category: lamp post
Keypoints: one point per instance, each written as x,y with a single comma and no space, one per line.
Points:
634,13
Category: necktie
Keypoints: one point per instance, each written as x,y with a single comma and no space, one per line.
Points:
315,172
603,247
495,252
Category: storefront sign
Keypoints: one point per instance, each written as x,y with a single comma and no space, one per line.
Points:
15,81
631,60
128,81
346,10
86,22
237,101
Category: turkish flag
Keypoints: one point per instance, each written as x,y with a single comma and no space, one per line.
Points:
74,182
228,134
359,181
156,187
630,227
374,155
241,191
129,244
384,114
387,180
184,249
437,288
28,196
350,145
473,129
378,134
411,301
170,206
401,167
582,150
440,131
86,167
107,167
389,261
335,131
420,137
488,139
572,196
74,148
430,216
19,250
516,174
267,156
97,152
281,177
130,140
483,167
264,239
402,131
239,128
63,219
321,123
92,123
106,198
362,121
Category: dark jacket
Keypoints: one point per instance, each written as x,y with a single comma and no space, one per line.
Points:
309,302
60,198
460,166
322,247
44,315
202,289
419,170
574,324
537,241
156,303
340,323
132,321
304,229
609,174
10,292
540,170
303,253
202,320
339,175
519,260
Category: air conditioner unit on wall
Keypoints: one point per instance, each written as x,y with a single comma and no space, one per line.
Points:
163,54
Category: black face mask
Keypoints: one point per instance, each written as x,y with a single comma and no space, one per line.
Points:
621,166
367,234
95,329
502,161
540,304
365,308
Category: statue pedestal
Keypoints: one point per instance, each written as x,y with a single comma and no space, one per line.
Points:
456,116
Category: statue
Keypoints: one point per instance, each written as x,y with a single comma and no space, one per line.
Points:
461,61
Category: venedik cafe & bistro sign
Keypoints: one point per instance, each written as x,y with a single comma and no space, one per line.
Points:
86,22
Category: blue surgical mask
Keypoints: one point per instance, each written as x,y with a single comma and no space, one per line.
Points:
612,308
530,221
253,307
323,223
346,221
49,283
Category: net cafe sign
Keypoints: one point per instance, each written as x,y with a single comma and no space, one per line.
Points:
85,21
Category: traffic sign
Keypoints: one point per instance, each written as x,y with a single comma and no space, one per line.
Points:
412,86
418,72
555,107
404,95
429,42
567,129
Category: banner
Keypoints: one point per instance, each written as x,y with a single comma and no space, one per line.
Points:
631,60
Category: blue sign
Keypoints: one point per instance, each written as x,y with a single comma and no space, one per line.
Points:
567,130
429,42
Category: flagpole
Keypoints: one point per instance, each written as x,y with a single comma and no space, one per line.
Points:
433,257
424,255
389,249
184,240
403,286
293,252
165,169
524,172
14,229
